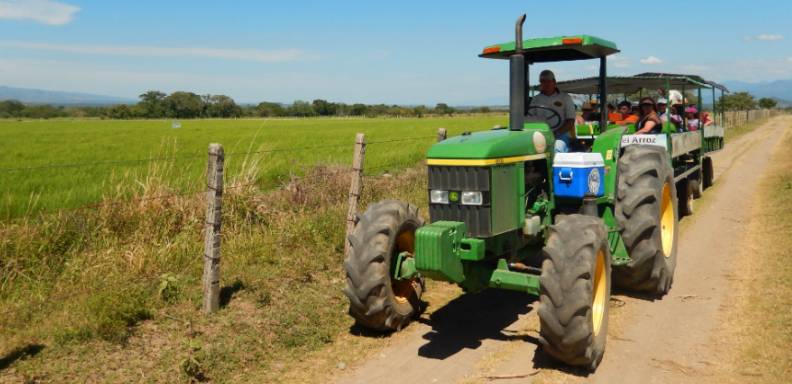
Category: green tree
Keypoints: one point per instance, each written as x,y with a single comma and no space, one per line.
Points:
443,109
11,108
358,109
767,103
42,111
323,108
739,101
152,104
222,106
184,105
302,109
120,111
267,109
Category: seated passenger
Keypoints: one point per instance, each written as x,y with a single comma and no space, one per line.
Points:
662,103
613,116
706,119
649,122
625,116
676,117
586,114
692,119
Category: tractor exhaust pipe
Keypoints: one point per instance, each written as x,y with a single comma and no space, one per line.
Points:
517,79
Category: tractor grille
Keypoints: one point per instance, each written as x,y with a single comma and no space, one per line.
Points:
448,178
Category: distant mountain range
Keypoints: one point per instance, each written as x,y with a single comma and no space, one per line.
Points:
780,90
40,96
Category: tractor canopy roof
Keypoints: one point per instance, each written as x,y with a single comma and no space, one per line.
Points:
559,48
632,84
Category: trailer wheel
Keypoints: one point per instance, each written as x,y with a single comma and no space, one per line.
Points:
697,187
575,291
707,173
377,301
685,195
646,210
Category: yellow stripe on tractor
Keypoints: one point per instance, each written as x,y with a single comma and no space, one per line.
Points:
485,162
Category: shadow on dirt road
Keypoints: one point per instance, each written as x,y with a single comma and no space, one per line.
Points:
469,319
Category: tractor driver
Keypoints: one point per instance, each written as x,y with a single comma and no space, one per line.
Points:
551,98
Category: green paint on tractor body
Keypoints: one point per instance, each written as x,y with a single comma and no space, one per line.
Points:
491,144
498,241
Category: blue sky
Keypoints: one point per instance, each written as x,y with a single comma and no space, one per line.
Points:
406,52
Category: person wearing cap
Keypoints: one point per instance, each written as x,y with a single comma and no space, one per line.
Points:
648,122
550,97
691,114
662,103
626,117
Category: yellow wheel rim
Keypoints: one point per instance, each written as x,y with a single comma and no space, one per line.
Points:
667,221
600,292
403,290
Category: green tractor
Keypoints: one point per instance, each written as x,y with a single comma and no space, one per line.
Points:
508,212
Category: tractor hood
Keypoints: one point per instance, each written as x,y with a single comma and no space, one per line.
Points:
494,144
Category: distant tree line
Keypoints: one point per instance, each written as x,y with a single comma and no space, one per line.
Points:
743,101
188,105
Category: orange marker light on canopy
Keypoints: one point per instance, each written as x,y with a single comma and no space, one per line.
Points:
572,41
493,49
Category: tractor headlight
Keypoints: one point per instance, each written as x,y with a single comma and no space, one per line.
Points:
437,196
472,198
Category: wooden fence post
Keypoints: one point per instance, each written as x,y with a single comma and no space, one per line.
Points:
355,188
214,215
441,134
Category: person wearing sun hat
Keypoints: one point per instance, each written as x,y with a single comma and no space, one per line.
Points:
648,121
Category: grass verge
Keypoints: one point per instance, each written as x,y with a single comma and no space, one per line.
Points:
733,133
760,321
113,294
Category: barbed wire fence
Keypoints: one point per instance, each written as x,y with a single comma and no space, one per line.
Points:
215,172
213,190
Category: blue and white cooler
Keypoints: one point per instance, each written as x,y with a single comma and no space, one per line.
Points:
578,174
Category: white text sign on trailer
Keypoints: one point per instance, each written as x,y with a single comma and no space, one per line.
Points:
656,140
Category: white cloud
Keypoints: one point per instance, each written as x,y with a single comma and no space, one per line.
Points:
789,59
42,11
765,37
153,51
651,60
619,61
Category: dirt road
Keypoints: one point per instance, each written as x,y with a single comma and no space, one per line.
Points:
477,338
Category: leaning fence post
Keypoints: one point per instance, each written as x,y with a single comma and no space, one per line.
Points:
441,134
355,187
214,200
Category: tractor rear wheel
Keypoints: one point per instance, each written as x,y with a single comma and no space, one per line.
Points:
646,210
575,291
707,173
376,300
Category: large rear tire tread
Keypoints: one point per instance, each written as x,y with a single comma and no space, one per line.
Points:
566,299
643,173
368,267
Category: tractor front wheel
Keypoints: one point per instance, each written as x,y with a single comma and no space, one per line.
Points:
376,299
575,291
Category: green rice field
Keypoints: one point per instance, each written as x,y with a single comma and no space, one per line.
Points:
56,164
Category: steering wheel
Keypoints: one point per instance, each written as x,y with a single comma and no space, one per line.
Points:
554,116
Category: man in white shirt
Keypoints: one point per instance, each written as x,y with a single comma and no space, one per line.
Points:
551,98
